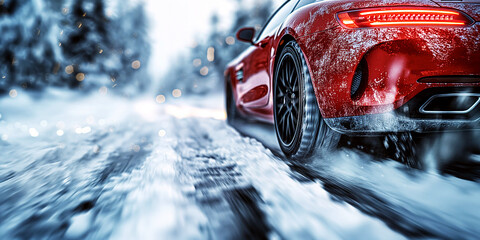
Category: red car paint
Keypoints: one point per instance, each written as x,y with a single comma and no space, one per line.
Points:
397,57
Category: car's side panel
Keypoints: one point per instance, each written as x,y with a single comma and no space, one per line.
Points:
253,88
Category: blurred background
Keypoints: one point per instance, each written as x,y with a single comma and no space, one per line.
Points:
123,47
112,126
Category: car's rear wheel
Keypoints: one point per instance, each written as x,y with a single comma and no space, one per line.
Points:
297,118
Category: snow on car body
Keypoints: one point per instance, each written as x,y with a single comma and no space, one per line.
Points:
373,66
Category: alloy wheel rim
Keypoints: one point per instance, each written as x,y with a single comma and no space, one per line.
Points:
287,100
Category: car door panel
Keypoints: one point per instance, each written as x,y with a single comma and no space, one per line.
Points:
253,90
255,78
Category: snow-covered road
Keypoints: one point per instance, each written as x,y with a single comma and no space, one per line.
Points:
105,167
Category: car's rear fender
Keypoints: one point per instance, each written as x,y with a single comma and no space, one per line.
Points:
335,54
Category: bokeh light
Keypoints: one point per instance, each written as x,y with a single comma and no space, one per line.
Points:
136,64
33,132
60,132
162,133
86,129
204,71
69,69
177,93
230,40
197,62
13,93
80,77
211,54
160,99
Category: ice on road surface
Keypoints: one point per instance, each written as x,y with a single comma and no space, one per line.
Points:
103,167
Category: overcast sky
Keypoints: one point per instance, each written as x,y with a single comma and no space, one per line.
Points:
176,23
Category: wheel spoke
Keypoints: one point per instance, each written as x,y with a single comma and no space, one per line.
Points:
284,115
281,108
287,99
291,75
281,83
284,84
295,84
287,76
295,103
295,89
287,123
280,93
283,78
295,110
282,119
292,122
295,122
286,69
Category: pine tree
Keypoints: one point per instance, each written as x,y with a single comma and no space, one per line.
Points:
28,56
72,43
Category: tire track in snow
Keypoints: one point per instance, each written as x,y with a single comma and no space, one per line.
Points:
225,196
290,208
51,182
202,180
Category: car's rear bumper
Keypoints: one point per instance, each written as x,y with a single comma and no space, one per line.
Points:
392,63
390,122
432,110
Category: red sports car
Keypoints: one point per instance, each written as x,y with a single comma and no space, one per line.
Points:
320,68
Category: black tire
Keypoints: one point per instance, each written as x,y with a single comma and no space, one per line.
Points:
230,105
297,118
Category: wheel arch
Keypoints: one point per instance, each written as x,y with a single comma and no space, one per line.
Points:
281,44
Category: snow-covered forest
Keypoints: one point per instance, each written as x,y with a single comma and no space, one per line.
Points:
97,44
77,44
201,70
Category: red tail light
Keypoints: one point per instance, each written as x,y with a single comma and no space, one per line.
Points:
396,17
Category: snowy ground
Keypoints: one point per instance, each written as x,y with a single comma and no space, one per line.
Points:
100,167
